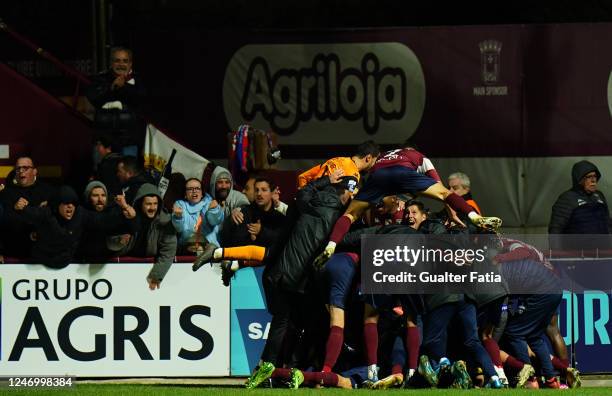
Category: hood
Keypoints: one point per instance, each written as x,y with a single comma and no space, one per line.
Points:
90,186
219,171
146,190
580,169
65,194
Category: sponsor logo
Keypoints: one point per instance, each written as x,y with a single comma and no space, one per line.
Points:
490,55
304,91
131,325
254,327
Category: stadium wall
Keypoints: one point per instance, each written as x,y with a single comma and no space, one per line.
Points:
513,106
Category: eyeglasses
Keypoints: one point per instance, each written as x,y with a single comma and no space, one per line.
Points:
193,189
23,168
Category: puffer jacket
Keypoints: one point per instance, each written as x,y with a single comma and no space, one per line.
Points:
58,238
319,207
577,212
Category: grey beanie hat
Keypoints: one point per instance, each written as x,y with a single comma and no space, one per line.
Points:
90,186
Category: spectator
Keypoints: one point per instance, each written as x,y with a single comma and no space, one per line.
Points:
583,209
15,228
459,183
106,164
196,219
92,248
131,176
155,236
260,222
249,188
249,192
117,95
60,225
222,190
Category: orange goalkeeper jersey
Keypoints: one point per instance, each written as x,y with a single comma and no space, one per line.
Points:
325,169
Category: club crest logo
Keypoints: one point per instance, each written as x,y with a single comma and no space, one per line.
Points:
490,60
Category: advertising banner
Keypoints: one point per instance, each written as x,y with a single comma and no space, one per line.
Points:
591,328
103,321
250,320
589,348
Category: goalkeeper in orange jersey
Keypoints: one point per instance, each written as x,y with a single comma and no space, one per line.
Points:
362,160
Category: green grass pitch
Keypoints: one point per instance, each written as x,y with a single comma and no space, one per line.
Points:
177,390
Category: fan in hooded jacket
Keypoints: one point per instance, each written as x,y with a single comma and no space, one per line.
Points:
155,235
60,226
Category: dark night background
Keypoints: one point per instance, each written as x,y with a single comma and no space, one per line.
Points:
165,34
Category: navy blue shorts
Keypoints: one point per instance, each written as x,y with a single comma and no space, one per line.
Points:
340,270
357,375
393,180
491,313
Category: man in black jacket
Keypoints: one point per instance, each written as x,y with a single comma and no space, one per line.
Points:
132,177
260,226
285,279
261,222
16,230
117,94
60,225
92,247
106,164
581,210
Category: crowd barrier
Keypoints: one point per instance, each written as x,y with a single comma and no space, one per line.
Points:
101,320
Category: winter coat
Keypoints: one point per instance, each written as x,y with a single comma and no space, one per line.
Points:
235,199
186,224
160,236
15,229
319,207
106,172
272,222
577,212
92,248
125,123
57,239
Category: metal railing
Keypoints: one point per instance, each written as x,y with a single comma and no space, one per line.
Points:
69,71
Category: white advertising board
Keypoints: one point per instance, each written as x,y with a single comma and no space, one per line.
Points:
100,320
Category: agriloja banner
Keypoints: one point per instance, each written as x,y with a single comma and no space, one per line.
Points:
478,91
102,321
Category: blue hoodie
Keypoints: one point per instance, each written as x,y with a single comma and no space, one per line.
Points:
185,225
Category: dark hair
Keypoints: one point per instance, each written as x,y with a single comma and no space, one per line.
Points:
105,141
418,204
193,178
131,164
25,156
367,147
271,184
119,48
